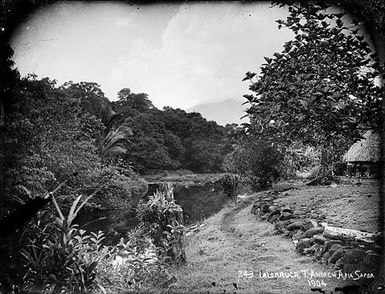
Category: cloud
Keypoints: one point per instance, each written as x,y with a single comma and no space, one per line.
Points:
204,52
122,22
181,55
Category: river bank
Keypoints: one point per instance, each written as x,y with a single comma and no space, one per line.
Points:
182,177
200,195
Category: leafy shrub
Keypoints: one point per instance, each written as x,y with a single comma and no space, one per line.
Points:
257,161
117,189
161,219
132,265
230,184
63,257
141,263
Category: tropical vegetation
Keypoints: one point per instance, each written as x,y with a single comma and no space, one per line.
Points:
322,90
307,105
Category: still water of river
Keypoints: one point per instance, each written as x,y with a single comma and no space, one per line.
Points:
197,201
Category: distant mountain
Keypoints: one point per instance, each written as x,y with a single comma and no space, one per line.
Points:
223,112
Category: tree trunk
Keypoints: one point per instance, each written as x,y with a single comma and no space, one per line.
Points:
177,251
325,174
348,234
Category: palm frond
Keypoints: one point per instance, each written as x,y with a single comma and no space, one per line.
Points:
115,141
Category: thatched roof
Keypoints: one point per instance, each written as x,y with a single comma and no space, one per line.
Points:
366,150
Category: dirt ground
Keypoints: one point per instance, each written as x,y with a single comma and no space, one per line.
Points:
234,252
352,204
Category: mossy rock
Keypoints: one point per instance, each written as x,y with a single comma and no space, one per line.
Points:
354,256
313,249
320,239
285,216
326,257
321,251
303,244
330,243
335,247
302,224
265,208
298,235
338,254
313,231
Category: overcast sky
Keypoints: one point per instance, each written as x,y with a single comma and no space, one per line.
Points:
181,55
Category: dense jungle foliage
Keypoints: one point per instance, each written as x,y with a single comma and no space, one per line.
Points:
50,136
55,131
169,139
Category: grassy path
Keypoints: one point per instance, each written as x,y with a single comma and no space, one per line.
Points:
233,240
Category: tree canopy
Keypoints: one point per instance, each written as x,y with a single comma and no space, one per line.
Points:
321,88
49,137
168,139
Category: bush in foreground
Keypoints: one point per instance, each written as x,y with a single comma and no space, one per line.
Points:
62,258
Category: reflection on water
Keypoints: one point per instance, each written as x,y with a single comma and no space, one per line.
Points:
115,223
198,202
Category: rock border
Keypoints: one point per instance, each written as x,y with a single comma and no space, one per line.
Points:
346,250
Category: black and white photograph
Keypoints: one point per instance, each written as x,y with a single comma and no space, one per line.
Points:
203,147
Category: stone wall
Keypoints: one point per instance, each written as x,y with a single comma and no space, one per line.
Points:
342,249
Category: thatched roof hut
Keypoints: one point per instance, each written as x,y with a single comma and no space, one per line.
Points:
365,150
